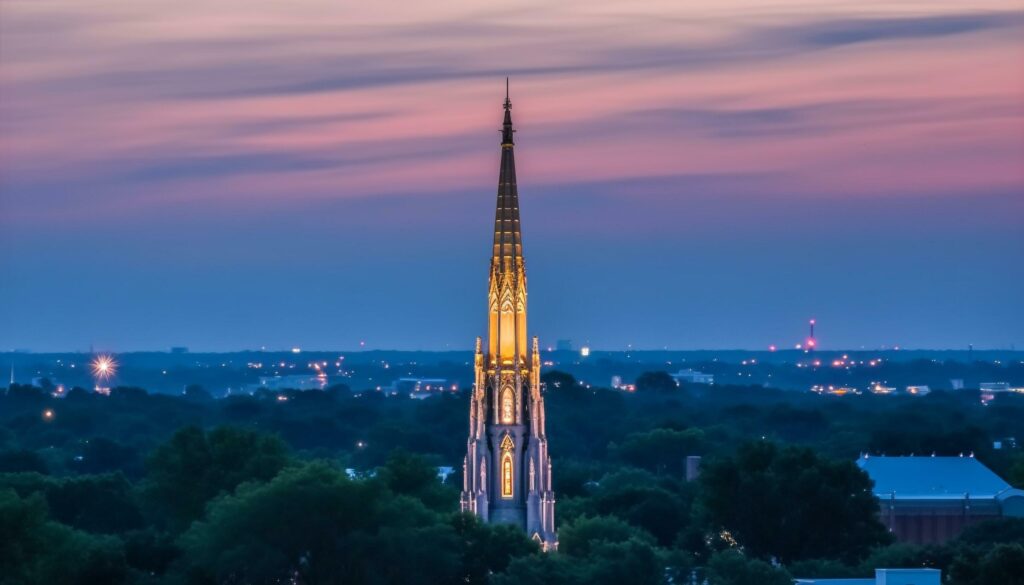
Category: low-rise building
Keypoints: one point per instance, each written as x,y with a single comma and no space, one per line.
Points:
919,390
885,577
693,377
420,388
994,387
926,500
291,382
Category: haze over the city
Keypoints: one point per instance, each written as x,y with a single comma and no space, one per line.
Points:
246,174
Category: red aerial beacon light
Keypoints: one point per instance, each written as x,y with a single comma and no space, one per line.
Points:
811,342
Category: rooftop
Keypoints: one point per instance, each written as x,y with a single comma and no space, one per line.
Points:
932,477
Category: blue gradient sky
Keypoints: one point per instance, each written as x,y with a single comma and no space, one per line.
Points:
237,174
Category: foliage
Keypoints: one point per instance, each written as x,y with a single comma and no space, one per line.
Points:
409,474
314,523
659,450
194,466
35,549
656,382
93,503
266,498
787,503
15,460
733,568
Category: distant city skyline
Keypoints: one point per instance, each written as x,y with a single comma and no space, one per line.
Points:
693,177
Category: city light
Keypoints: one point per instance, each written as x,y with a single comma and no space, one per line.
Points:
103,367
48,414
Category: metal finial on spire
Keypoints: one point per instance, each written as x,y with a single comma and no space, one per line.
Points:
506,131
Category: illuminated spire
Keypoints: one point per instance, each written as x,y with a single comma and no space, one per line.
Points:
507,237
507,477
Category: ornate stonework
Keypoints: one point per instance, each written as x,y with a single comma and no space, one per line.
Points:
506,414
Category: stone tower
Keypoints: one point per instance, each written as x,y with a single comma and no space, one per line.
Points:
507,470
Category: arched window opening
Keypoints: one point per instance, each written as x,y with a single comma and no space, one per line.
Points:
508,406
506,475
506,467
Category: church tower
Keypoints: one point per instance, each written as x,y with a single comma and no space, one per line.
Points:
507,470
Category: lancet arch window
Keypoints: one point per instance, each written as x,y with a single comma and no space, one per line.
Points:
507,471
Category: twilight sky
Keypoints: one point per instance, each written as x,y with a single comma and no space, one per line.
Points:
247,173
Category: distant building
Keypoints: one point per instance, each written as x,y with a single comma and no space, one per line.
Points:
179,349
293,382
618,384
956,383
692,467
919,390
926,500
879,388
693,377
1005,443
421,387
989,390
443,473
834,390
885,577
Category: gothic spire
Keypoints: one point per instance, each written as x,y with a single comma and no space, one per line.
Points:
507,237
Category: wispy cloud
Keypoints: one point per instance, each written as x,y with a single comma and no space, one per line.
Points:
123,99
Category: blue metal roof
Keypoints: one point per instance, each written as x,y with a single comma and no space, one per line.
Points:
932,477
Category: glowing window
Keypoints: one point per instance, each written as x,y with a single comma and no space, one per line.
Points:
506,466
506,475
508,406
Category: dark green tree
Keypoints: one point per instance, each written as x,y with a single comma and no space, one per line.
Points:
1003,565
791,504
314,523
412,475
656,382
15,460
544,569
731,567
660,450
489,548
660,507
93,503
35,549
185,473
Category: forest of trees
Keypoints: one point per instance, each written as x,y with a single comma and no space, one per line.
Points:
325,487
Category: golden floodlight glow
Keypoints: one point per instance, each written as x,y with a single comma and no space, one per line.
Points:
103,367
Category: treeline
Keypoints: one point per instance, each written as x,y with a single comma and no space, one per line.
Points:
335,487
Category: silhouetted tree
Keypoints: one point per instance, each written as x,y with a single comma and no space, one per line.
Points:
656,382
791,504
194,466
